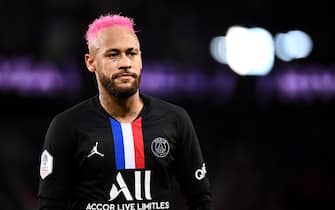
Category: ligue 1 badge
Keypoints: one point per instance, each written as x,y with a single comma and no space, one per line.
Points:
46,164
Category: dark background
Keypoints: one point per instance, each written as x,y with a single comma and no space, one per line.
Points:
262,151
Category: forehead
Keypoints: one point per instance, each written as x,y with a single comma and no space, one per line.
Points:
117,37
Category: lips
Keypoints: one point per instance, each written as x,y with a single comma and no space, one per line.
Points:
124,75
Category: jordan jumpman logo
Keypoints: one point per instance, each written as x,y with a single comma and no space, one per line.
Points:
95,151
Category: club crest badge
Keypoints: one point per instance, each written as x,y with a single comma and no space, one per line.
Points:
160,147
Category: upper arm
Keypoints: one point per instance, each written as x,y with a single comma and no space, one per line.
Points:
190,166
56,165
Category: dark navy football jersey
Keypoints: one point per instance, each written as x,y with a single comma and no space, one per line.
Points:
90,161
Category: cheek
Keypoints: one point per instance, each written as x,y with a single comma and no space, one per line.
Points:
109,65
139,65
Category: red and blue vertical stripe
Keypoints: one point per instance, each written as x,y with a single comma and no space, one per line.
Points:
128,144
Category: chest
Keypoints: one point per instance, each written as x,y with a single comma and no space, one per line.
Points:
143,144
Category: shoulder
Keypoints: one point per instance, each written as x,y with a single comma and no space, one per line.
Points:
157,105
75,112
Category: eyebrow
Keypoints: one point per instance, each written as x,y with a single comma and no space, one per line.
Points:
118,50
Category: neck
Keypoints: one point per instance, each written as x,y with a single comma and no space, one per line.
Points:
124,110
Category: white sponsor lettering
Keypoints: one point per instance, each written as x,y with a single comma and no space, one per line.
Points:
100,206
129,206
123,188
147,186
46,166
153,205
201,172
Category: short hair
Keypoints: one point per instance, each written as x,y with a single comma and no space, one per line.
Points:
105,21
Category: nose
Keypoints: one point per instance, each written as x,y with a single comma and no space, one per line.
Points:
125,62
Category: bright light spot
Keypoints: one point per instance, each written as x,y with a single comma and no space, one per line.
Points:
249,51
217,49
262,47
280,47
237,50
293,45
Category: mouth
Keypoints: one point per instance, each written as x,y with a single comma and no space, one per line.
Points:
124,75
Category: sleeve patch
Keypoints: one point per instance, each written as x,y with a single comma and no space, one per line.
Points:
201,172
46,164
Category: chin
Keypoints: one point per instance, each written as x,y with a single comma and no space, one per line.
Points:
126,93
122,92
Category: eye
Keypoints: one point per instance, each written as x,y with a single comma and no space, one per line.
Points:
132,53
112,54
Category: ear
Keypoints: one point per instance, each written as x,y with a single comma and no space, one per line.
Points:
90,64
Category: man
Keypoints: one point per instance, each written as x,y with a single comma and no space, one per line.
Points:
120,150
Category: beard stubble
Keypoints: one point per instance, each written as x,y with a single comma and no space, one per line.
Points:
113,89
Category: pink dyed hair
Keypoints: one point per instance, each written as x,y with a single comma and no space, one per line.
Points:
105,21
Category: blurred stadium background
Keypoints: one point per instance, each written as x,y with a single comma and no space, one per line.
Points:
267,139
